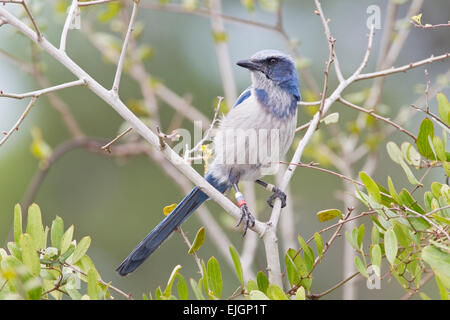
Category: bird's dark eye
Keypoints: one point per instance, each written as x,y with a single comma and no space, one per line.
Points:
273,61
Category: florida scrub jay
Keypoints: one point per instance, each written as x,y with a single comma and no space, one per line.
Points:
268,105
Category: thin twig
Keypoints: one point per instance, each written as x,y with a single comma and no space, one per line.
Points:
435,117
314,165
107,147
22,2
430,26
425,217
38,93
404,68
94,2
336,286
107,284
176,8
427,278
17,124
427,90
331,58
376,116
325,22
115,87
188,243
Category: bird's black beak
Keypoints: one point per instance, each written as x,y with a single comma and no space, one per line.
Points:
249,64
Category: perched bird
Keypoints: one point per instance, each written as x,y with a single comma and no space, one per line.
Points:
255,133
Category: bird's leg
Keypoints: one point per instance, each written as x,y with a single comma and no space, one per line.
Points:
277,193
245,213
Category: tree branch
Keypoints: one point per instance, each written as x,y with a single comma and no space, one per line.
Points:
123,53
69,18
38,93
17,124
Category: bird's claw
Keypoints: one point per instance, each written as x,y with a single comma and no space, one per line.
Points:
277,193
247,217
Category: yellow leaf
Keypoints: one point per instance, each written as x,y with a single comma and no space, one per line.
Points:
168,209
417,19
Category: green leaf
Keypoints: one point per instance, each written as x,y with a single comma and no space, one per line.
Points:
57,232
396,155
257,295
81,249
393,192
197,291
439,148
390,245
360,266
427,198
424,296
371,186
402,234
300,294
442,290
17,222
67,253
302,268
198,241
308,253
182,287
329,214
375,255
74,294
262,281
410,202
237,264
34,226
251,285
158,294
66,239
360,236
29,254
411,178
93,288
168,291
293,273
205,277
446,166
274,292
214,277
410,154
349,237
439,261
319,243
375,235
443,108
436,189
394,152
14,249
426,132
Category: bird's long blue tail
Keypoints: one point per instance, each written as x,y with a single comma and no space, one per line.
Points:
160,233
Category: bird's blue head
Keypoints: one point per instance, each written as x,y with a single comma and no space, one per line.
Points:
271,68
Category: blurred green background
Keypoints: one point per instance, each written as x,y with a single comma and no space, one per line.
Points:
118,202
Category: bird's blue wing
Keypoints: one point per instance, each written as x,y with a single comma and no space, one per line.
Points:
244,96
